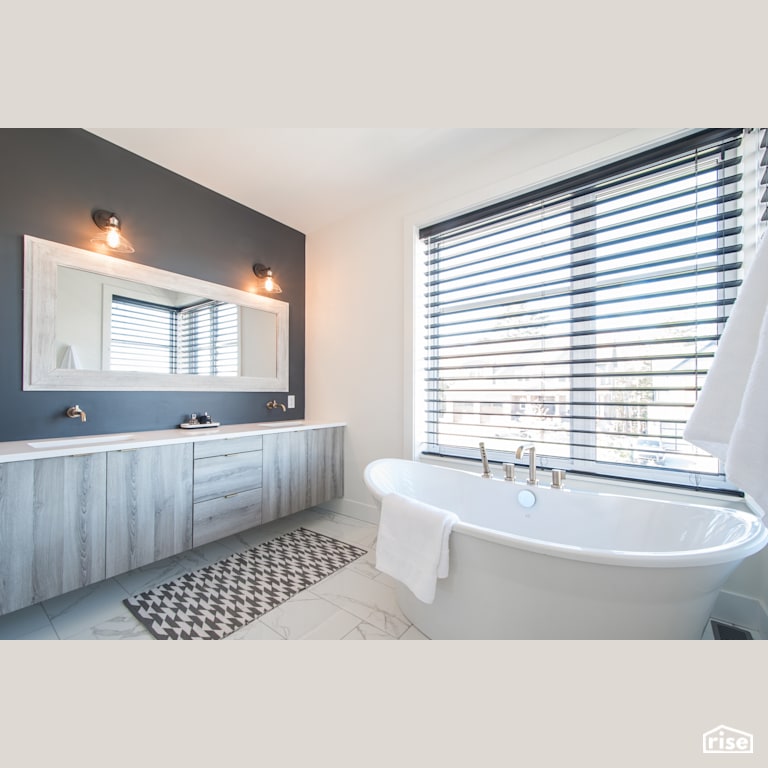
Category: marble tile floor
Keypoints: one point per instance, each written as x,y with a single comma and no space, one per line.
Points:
355,603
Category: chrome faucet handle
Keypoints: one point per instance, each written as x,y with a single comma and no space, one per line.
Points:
509,471
558,478
274,404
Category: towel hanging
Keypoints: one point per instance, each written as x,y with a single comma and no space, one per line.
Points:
730,418
412,543
70,359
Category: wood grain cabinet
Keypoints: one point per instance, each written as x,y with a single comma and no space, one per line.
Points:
227,487
70,521
302,469
149,505
52,527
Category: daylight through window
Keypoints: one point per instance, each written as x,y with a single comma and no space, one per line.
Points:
202,339
583,317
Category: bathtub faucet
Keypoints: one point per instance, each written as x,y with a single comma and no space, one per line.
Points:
531,462
486,469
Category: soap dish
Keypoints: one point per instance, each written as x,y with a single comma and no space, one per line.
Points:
187,425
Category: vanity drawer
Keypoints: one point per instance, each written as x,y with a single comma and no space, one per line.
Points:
223,475
225,516
227,445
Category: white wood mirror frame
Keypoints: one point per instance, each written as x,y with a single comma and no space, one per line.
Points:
42,259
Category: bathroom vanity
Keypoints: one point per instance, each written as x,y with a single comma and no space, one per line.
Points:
76,511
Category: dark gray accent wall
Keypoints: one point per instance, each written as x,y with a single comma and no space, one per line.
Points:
50,182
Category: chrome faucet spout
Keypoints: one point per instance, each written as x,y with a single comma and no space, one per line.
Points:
76,412
521,450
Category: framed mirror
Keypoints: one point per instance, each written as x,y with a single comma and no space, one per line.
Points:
95,322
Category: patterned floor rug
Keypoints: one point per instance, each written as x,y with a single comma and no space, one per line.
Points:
211,603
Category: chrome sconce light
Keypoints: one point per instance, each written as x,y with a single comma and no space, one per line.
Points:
111,238
266,280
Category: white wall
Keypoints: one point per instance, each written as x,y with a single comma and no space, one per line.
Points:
358,359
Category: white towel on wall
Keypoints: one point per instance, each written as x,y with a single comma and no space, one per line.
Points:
412,543
70,359
730,418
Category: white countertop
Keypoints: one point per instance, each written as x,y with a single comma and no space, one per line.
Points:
21,450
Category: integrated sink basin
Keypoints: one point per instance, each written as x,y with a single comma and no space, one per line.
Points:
73,442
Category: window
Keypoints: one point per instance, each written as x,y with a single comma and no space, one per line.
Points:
200,339
210,339
143,336
583,317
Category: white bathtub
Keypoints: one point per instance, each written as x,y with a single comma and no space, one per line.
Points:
575,565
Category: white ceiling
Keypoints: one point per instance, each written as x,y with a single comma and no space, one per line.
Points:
308,178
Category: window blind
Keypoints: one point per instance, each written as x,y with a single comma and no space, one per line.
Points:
583,317
200,339
210,339
143,336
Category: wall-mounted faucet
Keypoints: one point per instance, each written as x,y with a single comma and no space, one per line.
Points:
274,404
76,412
531,462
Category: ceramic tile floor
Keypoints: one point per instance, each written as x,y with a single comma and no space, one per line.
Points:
355,603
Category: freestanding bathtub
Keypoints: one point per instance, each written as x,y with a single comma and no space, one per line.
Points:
574,565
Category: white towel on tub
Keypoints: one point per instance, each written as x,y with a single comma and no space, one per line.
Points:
412,543
730,418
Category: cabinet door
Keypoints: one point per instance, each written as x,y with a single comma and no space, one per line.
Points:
149,506
301,469
325,465
52,527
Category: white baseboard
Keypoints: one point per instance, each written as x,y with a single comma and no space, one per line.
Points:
743,611
367,512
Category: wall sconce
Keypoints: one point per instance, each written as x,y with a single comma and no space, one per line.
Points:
111,237
266,281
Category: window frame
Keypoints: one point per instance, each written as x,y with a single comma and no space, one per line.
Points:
598,170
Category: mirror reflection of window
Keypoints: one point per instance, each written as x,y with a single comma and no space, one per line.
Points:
68,318
209,339
143,336
201,339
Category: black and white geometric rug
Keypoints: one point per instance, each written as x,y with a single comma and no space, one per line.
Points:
211,603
